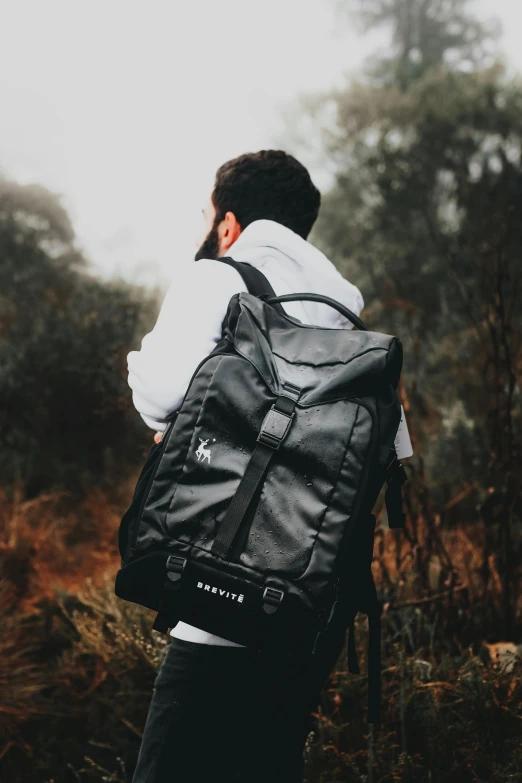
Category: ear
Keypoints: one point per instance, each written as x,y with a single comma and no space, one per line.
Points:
228,231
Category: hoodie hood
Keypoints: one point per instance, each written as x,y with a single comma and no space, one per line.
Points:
292,264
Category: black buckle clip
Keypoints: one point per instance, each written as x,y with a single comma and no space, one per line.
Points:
175,567
272,599
274,428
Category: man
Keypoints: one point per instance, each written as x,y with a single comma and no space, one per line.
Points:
221,712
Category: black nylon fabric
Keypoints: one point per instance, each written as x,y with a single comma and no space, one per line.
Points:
239,505
273,431
314,500
326,364
300,497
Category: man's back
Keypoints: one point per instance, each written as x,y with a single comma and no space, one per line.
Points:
290,264
222,712
196,303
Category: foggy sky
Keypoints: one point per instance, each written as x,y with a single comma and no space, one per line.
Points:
127,108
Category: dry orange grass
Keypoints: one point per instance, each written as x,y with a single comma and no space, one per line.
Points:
74,658
77,662
21,679
56,541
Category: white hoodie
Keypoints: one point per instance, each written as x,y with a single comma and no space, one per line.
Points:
189,323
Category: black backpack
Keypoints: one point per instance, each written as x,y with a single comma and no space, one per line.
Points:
251,519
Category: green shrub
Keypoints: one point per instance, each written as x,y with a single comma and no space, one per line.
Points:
66,414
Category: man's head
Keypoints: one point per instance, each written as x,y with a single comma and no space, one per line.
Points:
265,185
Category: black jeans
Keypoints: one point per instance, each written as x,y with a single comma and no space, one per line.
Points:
227,714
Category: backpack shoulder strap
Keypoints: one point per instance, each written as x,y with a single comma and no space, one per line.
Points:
255,281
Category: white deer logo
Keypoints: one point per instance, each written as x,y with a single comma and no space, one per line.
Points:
202,453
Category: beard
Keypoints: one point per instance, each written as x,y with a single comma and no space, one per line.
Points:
210,247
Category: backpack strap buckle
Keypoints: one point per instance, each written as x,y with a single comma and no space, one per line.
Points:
278,420
175,567
272,599
274,428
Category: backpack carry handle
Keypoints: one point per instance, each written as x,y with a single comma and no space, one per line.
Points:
354,319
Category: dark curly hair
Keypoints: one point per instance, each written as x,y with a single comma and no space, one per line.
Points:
269,185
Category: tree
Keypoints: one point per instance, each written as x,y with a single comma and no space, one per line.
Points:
65,408
425,34
425,214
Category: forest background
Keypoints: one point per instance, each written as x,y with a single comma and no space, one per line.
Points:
424,213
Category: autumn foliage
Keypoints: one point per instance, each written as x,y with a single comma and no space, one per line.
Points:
424,213
77,664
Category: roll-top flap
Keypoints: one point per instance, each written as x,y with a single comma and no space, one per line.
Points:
325,363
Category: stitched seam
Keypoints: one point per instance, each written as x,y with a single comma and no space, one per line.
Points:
330,494
329,364
327,503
